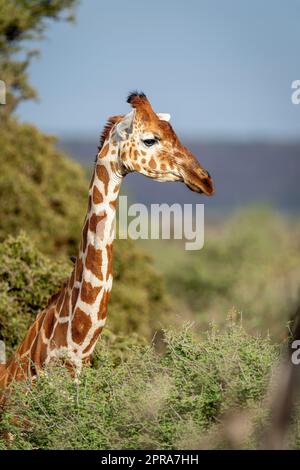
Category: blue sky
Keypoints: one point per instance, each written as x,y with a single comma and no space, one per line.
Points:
222,68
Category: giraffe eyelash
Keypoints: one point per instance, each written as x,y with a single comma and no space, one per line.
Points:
150,141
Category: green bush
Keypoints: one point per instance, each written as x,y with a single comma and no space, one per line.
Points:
28,278
148,401
41,191
20,23
250,262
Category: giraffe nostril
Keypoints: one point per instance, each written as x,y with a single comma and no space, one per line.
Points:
206,174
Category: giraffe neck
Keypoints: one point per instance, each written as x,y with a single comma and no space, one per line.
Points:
84,307
71,323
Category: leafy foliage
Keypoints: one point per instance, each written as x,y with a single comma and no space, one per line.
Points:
249,262
148,401
22,21
41,191
28,278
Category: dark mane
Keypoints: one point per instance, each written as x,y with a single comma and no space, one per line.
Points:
106,130
114,119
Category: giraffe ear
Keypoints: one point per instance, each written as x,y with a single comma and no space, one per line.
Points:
164,116
124,127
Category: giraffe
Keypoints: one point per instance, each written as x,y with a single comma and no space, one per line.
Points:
74,317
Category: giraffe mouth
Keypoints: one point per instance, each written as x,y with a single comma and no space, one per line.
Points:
195,177
199,183
201,188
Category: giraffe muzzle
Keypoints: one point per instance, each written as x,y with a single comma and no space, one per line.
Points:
199,181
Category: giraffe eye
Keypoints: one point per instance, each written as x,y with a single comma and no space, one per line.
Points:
149,142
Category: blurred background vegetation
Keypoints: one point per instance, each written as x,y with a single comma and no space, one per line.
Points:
249,263
245,280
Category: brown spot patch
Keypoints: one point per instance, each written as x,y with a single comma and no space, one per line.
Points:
60,298
137,167
103,305
163,166
103,176
84,235
80,326
29,339
49,322
97,196
79,269
65,308
89,293
39,320
38,354
152,163
104,151
60,336
89,204
136,154
94,261
74,298
93,340
94,221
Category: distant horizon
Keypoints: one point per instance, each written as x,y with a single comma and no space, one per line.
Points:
209,139
244,173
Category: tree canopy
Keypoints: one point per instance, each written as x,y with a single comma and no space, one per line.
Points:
21,23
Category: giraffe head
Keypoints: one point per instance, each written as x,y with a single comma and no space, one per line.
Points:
149,145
